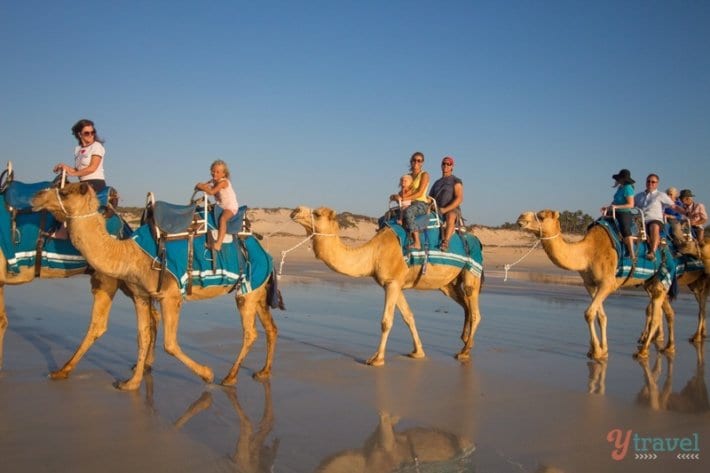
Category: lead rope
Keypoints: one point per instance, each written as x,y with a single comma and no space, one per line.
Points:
539,239
308,238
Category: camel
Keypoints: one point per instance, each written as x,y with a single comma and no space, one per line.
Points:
103,289
381,258
124,260
595,258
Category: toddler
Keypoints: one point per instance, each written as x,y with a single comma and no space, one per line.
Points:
221,188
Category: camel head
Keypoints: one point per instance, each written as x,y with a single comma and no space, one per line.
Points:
76,199
544,223
323,218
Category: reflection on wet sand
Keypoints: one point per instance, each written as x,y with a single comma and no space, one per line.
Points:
387,450
693,398
251,454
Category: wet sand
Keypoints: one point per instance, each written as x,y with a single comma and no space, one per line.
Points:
529,400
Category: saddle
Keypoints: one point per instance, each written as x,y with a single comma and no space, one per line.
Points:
185,222
17,197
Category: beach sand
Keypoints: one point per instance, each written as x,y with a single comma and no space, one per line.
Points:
529,400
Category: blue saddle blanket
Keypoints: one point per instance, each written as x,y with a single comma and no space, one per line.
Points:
666,265
20,248
231,267
467,255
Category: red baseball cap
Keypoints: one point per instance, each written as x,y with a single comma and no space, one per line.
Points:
449,158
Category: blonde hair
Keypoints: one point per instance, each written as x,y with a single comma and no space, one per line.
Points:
219,162
672,192
406,179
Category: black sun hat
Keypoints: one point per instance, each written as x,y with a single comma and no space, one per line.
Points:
624,176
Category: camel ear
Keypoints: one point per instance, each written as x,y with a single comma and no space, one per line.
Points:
556,214
328,213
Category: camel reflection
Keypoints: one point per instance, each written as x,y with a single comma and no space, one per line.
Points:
597,377
387,450
693,398
252,454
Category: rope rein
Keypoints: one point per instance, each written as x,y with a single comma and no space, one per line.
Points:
66,214
535,245
305,240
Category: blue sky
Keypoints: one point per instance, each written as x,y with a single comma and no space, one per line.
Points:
323,102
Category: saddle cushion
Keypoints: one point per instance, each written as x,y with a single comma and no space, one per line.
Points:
20,249
464,253
230,266
666,265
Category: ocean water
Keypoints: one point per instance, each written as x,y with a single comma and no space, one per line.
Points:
528,400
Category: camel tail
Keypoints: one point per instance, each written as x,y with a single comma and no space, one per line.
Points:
273,294
673,290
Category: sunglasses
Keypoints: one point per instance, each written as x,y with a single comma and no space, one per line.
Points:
652,182
88,133
417,161
446,163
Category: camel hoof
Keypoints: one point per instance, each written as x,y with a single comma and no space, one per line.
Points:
668,350
641,355
598,356
127,385
261,375
59,374
417,355
374,361
228,381
463,356
696,339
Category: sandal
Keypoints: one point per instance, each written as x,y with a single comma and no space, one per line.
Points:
445,245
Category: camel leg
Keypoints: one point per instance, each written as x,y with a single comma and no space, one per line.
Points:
143,322
597,350
658,295
170,308
272,332
392,294
451,290
670,324
647,325
104,289
700,290
250,305
408,317
154,323
3,322
471,289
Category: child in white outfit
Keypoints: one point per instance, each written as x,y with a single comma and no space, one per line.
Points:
221,188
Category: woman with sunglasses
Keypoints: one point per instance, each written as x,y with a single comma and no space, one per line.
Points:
417,193
88,156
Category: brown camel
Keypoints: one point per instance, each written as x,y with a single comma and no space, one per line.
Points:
381,258
124,260
103,289
595,258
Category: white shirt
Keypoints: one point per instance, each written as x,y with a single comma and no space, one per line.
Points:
82,159
652,204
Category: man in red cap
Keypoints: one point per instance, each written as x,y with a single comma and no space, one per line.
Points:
447,191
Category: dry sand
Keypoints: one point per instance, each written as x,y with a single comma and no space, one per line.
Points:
528,401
